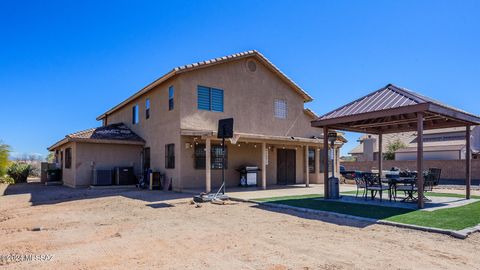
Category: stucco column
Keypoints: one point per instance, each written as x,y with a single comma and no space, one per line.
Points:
264,166
307,171
317,164
208,166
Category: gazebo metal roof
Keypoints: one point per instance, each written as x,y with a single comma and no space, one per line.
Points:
392,109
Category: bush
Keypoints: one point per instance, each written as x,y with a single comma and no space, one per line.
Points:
6,180
19,172
4,154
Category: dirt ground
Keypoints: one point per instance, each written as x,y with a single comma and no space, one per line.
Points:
105,229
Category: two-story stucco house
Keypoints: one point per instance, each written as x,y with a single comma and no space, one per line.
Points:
170,125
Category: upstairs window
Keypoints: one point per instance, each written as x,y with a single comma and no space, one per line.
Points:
135,114
68,158
147,108
171,94
311,160
170,156
209,99
280,108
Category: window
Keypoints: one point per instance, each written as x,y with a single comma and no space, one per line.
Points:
171,94
280,108
311,160
215,157
147,108
135,114
209,99
170,156
68,158
146,158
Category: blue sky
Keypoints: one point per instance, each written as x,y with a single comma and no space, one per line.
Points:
62,63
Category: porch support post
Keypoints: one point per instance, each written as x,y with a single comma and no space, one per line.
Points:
208,166
380,155
420,159
317,164
468,165
325,163
264,165
307,169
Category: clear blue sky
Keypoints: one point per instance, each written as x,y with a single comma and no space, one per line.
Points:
62,63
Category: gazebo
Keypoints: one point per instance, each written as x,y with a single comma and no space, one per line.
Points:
392,109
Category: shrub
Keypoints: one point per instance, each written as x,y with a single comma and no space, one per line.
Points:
7,180
4,154
19,172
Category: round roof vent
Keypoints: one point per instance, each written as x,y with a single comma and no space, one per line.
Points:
251,65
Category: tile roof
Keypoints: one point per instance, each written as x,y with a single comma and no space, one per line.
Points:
218,60
457,147
110,132
113,133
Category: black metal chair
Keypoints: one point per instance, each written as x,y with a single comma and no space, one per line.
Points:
374,185
360,183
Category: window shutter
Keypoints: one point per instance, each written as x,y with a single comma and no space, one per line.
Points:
203,98
217,100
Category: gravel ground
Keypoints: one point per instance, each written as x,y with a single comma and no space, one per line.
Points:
125,229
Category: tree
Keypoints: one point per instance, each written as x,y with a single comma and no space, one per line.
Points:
392,147
4,158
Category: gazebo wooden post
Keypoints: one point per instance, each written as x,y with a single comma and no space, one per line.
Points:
420,159
325,163
468,160
380,155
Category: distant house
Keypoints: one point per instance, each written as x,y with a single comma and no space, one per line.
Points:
171,126
439,144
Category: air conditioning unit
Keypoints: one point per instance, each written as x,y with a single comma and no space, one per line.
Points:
124,176
102,177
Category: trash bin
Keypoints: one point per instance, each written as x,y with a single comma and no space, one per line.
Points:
54,175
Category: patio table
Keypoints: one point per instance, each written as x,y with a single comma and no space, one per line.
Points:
394,181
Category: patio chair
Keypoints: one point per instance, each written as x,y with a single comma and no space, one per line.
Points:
360,183
374,185
436,175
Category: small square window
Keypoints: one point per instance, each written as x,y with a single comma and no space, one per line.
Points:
280,108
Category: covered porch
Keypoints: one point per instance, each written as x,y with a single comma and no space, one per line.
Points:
281,160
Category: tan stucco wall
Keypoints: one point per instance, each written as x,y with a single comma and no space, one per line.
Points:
163,126
103,156
248,97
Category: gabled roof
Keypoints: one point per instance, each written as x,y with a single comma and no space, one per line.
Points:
393,109
208,63
113,133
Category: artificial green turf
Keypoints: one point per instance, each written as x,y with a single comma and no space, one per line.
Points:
456,218
315,202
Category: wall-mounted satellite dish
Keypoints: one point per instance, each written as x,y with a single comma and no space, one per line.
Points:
475,140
